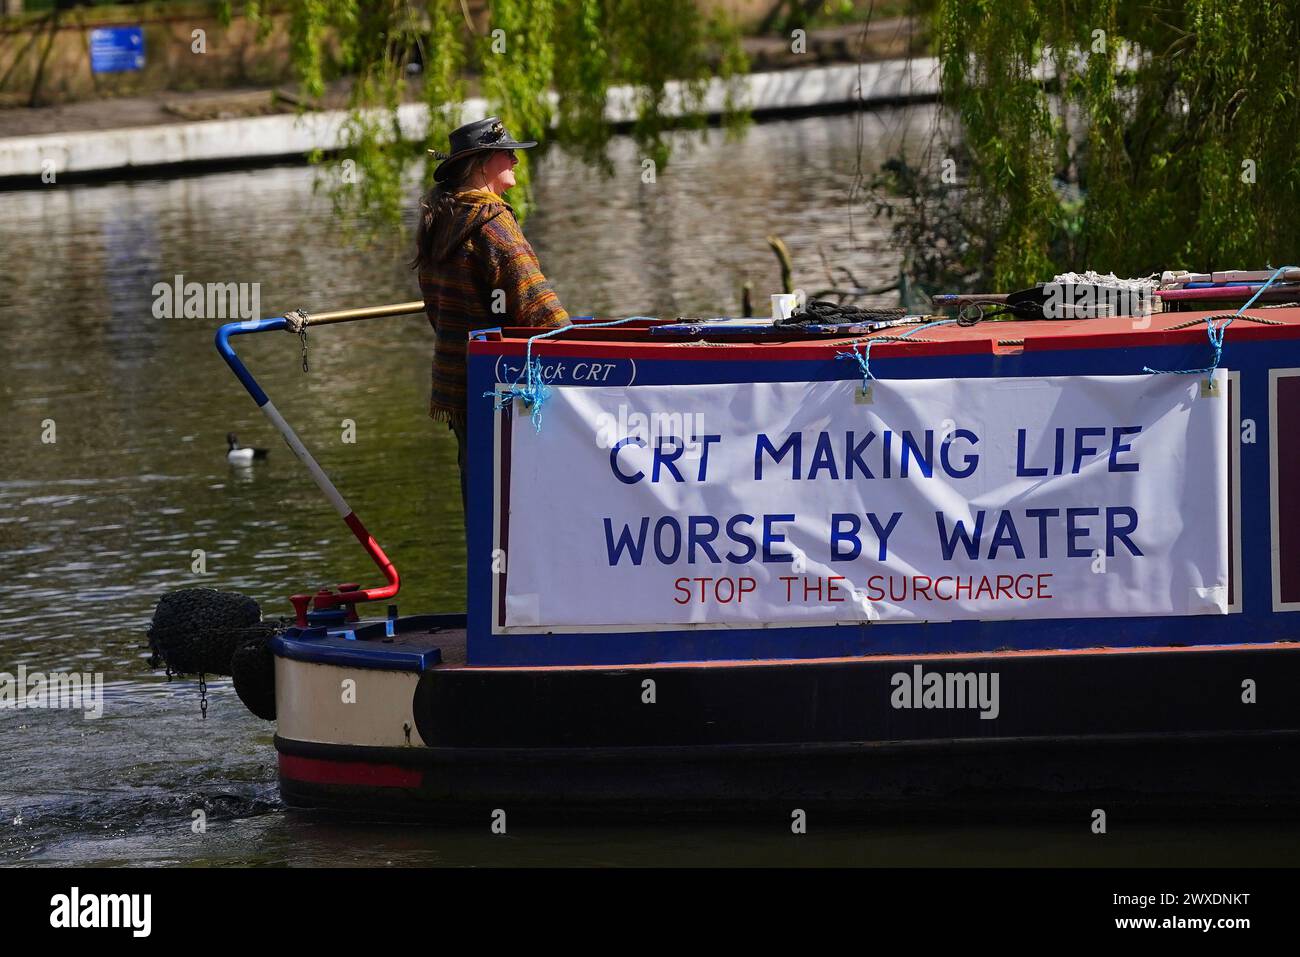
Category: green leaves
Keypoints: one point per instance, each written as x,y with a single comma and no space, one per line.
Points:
545,67
582,75
1178,120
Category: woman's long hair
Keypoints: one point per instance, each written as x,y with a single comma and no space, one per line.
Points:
435,233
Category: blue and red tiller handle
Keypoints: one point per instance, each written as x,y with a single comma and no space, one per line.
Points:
348,594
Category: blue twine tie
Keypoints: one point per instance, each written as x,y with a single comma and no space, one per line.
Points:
530,387
1215,333
863,358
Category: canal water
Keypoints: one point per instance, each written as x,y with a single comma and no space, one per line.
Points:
114,488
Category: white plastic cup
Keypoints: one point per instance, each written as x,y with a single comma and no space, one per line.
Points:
783,305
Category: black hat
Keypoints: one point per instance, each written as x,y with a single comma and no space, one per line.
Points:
485,134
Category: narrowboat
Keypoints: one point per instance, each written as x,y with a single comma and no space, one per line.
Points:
720,568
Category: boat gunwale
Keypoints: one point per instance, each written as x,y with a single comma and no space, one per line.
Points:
984,339
311,650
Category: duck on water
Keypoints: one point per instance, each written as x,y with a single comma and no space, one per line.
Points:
236,455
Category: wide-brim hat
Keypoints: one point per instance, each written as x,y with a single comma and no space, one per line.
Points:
472,138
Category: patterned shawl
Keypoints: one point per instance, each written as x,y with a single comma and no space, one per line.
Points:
487,276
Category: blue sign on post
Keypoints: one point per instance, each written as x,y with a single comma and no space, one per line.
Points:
116,49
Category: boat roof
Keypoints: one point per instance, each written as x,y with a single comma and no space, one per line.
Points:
705,339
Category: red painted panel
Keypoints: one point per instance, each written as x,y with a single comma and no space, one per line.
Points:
503,509
633,342
1286,423
1234,448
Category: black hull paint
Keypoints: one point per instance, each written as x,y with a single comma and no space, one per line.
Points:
1159,732
1040,695
1166,778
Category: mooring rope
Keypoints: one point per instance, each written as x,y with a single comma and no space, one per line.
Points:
863,358
1215,333
1260,319
296,321
530,387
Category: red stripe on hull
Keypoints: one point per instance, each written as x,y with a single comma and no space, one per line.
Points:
362,773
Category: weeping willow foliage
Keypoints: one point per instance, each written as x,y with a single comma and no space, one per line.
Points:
576,48
1125,136
581,48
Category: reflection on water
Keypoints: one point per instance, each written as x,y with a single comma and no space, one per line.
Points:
96,525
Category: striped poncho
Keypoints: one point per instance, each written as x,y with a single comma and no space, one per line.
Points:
490,277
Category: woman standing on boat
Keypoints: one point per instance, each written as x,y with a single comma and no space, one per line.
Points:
476,268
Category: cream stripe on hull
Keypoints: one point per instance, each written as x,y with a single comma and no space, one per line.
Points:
312,703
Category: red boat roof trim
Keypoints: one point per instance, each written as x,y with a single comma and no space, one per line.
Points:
984,338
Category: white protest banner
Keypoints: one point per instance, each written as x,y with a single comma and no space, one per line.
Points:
792,503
